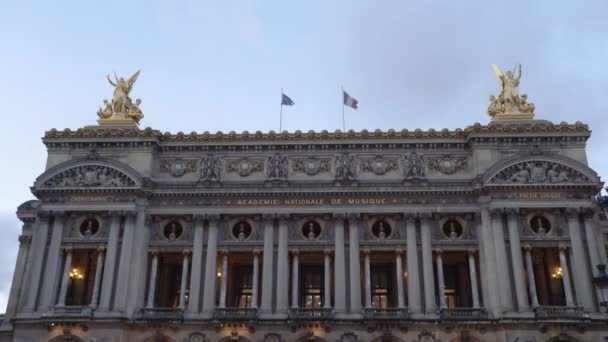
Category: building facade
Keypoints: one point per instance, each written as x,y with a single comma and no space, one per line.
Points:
488,233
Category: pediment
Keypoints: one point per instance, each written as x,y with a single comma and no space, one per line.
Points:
88,175
541,171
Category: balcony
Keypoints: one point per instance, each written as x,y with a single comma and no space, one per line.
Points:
161,314
311,314
386,313
235,314
560,312
76,311
463,314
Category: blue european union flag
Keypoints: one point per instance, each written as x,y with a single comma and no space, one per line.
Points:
286,101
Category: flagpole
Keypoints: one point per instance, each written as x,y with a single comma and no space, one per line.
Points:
281,114
343,122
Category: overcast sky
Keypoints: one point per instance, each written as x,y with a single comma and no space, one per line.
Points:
220,65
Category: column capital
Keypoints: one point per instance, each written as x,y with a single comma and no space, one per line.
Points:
563,247
366,251
527,247
282,217
114,214
571,213
438,251
268,218
328,251
471,251
353,216
513,211
67,249
257,252
425,216
588,213
43,215
59,213
154,252
399,251
496,212
409,218
101,249
128,213
294,251
198,218
213,217
338,216
223,251
186,251
24,239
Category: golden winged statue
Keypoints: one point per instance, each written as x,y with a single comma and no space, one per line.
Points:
509,104
121,110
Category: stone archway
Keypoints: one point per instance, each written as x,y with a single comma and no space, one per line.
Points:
66,338
562,338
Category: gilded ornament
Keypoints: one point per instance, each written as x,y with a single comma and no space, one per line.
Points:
509,105
121,111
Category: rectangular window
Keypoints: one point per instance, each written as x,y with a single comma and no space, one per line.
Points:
244,286
311,285
381,287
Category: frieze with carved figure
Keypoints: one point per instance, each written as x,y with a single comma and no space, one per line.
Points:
277,167
211,168
90,176
346,167
538,172
413,166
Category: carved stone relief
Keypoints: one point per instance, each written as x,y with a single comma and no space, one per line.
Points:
447,164
310,166
349,337
413,166
90,176
378,165
197,337
211,168
277,167
172,230
177,167
245,166
535,172
272,337
346,167
87,227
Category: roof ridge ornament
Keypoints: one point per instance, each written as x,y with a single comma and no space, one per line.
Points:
121,111
510,106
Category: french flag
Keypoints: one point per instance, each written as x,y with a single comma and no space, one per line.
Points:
350,101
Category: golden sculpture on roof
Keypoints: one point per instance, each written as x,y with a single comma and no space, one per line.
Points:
509,105
121,110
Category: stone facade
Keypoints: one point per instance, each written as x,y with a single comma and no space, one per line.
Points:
488,233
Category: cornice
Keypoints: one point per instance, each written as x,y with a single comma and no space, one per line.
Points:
477,129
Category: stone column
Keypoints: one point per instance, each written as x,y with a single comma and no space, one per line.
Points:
413,277
531,280
592,247
339,265
491,274
224,283
368,280
152,282
440,280
399,268
327,285
97,282
583,279
210,267
267,267
502,263
51,272
566,276
283,267
197,265
294,278
63,291
256,277
355,264
17,284
430,302
182,289
124,264
516,259
35,261
473,276
137,285
109,268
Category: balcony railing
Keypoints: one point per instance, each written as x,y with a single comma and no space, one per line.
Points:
310,313
235,313
386,313
69,311
463,314
161,314
559,312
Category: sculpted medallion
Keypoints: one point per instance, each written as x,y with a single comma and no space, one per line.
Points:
378,165
310,166
211,168
245,166
177,167
447,164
